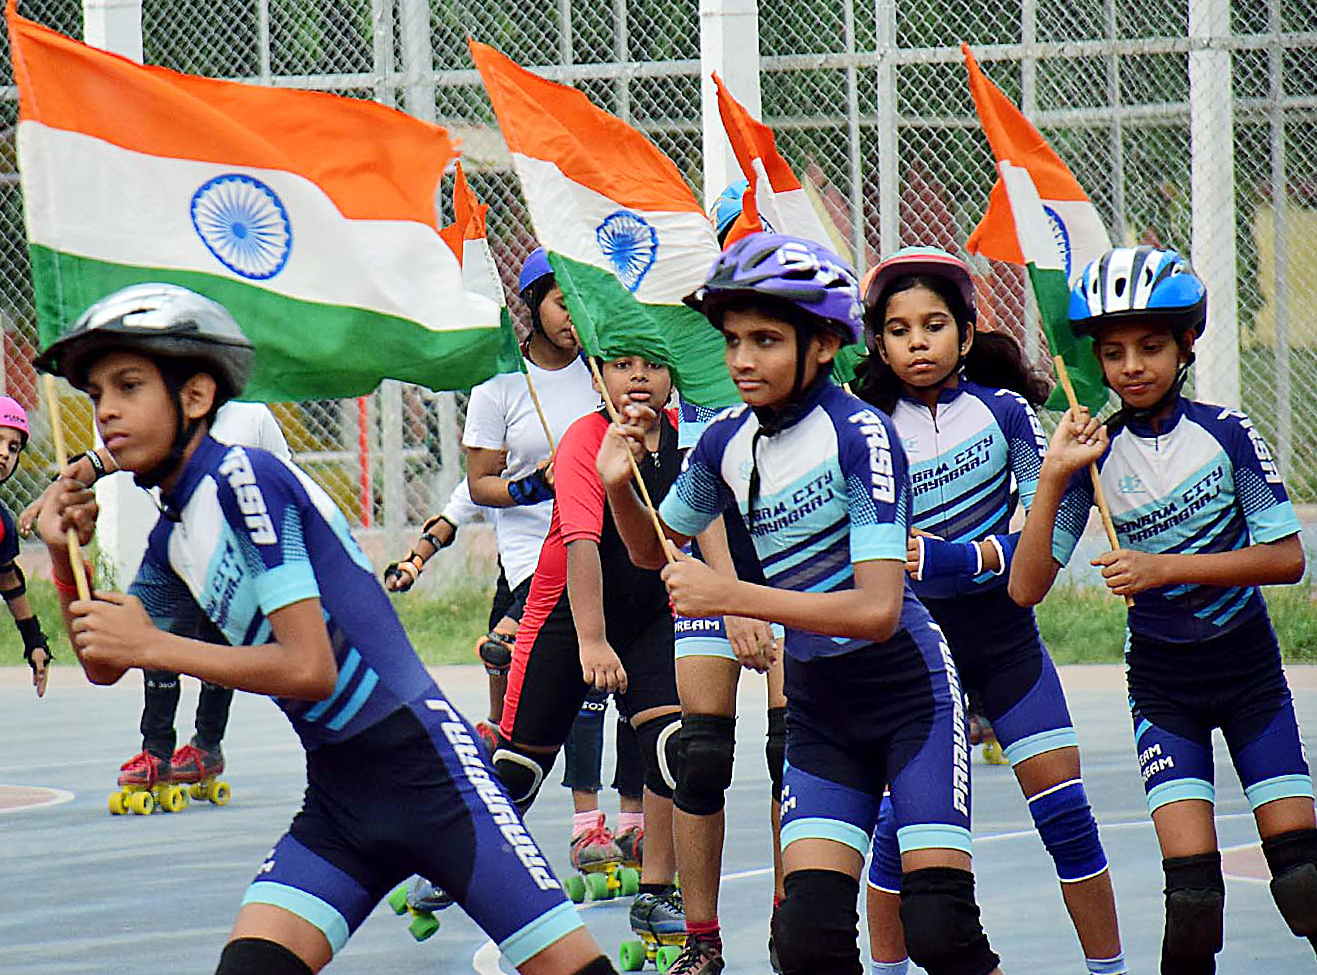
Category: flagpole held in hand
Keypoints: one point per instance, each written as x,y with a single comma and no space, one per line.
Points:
1099,495
61,459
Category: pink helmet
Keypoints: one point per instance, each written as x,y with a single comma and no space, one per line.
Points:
13,415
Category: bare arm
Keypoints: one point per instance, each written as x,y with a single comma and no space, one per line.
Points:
632,518
600,664
1033,570
1267,563
484,469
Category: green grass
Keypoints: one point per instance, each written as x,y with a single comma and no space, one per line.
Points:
1079,626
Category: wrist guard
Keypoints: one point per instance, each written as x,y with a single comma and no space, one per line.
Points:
531,489
407,571
940,560
18,590
428,528
33,640
98,469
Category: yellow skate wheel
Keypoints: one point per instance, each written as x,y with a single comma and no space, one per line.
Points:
632,956
219,793
597,886
666,956
118,803
992,753
630,880
142,803
196,790
574,886
173,798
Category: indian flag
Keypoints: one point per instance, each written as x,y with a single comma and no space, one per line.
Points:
311,217
625,236
1040,217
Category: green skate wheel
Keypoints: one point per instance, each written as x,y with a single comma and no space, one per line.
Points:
575,887
632,956
398,899
666,956
424,926
629,877
597,886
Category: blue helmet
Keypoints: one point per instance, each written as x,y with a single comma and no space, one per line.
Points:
1138,284
535,268
791,270
727,207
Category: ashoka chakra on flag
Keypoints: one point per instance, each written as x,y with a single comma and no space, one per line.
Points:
244,224
629,243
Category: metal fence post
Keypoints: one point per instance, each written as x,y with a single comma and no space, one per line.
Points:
729,44
889,142
1280,204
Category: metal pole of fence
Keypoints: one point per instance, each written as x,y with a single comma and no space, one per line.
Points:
1032,324
622,50
1117,133
565,55
263,69
729,44
1280,298
854,161
889,192
1212,178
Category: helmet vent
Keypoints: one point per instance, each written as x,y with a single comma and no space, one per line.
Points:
1120,287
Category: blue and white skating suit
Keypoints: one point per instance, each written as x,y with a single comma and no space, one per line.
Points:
1200,657
707,636
969,463
396,782
834,491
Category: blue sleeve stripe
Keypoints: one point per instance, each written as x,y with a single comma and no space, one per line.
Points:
1280,787
830,583
1277,522
822,828
1063,545
869,542
368,681
1179,790
530,939
286,584
308,907
345,673
1144,723
1044,741
933,836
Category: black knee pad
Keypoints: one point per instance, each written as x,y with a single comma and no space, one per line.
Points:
1195,907
659,739
1292,858
629,769
941,920
816,927
599,966
776,749
495,652
256,956
521,772
704,771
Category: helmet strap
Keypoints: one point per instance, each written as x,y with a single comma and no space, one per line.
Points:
184,431
1127,413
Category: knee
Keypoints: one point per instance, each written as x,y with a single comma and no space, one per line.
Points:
707,746
815,928
522,772
1195,906
1292,858
775,751
256,956
659,747
1065,824
941,920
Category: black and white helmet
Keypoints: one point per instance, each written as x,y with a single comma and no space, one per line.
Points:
156,320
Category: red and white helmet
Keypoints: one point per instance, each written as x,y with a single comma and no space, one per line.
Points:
13,415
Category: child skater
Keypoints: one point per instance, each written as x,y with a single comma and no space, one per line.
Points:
13,584
1203,520
593,620
873,696
395,779
960,401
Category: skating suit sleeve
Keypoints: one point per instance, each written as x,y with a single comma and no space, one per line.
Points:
877,485
578,492
700,494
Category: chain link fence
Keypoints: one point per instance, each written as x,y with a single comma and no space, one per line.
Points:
871,107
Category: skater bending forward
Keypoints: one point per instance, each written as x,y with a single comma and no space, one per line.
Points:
873,697
266,556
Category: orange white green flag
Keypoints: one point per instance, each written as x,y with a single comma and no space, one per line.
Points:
625,235
1039,217
310,216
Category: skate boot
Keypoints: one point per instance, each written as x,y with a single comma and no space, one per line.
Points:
699,957
488,736
632,844
144,786
422,900
598,860
660,923
199,769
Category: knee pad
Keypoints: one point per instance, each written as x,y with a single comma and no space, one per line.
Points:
659,746
521,772
629,769
704,771
1292,858
1065,824
256,956
1195,906
495,652
816,927
776,749
597,966
941,919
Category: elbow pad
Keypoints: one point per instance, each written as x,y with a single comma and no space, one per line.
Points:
531,489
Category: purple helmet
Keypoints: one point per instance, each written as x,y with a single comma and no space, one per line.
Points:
791,270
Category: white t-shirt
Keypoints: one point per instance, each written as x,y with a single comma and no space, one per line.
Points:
250,425
501,416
